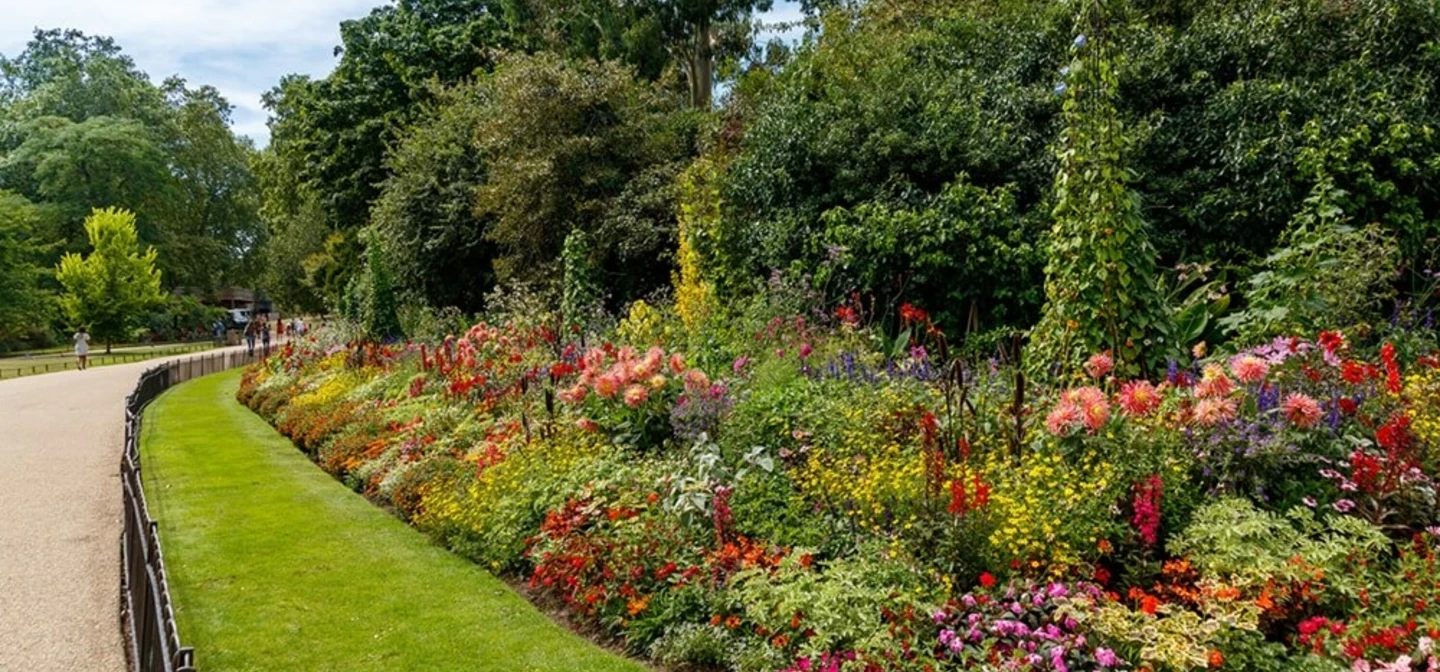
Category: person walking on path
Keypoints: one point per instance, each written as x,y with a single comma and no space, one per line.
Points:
82,347
265,337
250,338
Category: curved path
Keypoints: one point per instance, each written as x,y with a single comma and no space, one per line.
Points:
60,440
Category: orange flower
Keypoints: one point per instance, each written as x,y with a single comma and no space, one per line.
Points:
637,605
780,641
1149,604
1216,658
732,622
715,620
1264,601
1227,593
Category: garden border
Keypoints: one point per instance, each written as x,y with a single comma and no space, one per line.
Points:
147,614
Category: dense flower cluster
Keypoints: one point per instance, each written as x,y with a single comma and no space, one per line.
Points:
833,500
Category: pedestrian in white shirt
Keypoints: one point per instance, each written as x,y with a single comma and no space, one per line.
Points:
82,347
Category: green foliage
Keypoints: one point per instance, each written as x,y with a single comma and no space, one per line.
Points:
1231,540
843,605
24,304
372,302
1324,273
585,147
436,242
965,251
83,128
581,294
113,289
1101,291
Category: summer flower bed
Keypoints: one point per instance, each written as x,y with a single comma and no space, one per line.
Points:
793,491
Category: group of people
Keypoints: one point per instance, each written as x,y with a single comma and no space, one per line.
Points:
257,329
260,327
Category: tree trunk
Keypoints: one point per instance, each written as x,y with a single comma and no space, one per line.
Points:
108,343
703,71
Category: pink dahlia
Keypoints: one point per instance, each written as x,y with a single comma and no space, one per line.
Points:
636,395
695,380
1139,397
677,363
1301,410
1099,364
1249,368
1214,382
1063,418
1214,411
1096,415
573,395
657,381
607,385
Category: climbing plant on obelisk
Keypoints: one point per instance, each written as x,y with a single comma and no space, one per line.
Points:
1100,283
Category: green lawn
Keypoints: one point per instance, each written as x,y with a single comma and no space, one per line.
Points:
14,366
274,565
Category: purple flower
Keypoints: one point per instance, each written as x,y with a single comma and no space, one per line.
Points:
1107,658
1344,505
1309,501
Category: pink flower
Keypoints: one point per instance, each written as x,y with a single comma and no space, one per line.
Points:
1249,368
805,350
594,360
1096,415
1301,410
607,385
587,424
1107,658
677,363
1099,364
1212,412
1139,397
573,395
1214,382
657,381
1063,418
636,395
696,380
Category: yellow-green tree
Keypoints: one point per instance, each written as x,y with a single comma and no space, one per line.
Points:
111,290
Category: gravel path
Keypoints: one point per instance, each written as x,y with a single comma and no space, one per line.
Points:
60,440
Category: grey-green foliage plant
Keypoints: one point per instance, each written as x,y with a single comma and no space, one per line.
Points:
843,604
1101,290
1231,540
1324,272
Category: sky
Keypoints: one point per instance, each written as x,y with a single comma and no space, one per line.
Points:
241,47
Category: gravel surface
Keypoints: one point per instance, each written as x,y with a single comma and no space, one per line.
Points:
60,441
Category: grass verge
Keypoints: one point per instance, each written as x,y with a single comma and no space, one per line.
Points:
275,565
16,366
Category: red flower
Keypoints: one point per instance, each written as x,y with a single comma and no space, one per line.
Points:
909,314
1331,341
987,579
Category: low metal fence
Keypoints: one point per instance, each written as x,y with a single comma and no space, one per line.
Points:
149,615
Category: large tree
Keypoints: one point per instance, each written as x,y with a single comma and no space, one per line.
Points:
24,303
112,290
82,128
